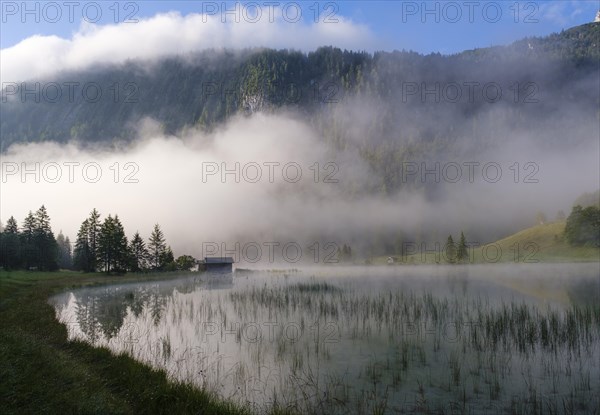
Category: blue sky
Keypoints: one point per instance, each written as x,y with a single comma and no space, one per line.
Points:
432,26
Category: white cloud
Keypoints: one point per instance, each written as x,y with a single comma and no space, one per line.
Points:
170,33
165,179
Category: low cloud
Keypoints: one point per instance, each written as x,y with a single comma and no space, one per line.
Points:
171,33
281,188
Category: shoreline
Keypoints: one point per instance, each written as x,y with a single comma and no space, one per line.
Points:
42,371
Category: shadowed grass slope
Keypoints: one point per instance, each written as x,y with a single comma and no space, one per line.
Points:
541,243
42,372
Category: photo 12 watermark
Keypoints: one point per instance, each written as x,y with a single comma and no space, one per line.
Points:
269,172
70,92
470,92
473,252
52,172
129,11
526,12
469,172
28,12
271,252
269,11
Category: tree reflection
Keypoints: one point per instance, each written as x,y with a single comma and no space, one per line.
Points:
101,313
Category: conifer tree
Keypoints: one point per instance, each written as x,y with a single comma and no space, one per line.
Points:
65,260
112,248
45,244
156,248
11,245
28,251
462,254
138,253
450,250
93,228
82,252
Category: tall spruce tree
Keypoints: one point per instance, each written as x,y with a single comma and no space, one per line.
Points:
121,257
65,259
11,245
462,253
112,246
156,248
28,250
93,228
82,252
44,242
138,253
450,250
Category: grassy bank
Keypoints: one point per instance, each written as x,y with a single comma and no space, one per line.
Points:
538,244
42,372
541,243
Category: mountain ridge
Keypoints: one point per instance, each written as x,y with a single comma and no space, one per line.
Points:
178,92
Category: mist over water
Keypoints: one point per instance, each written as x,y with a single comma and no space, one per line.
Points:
349,340
267,178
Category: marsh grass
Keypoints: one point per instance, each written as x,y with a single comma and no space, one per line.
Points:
355,350
41,371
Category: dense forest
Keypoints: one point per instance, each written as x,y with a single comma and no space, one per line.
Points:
101,245
387,106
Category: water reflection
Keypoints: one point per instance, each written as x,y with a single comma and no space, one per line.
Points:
100,313
356,340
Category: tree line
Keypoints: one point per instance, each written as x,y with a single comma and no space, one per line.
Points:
457,253
101,245
31,247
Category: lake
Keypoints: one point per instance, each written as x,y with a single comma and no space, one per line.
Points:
517,338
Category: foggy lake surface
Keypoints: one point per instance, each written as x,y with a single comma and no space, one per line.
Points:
448,339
